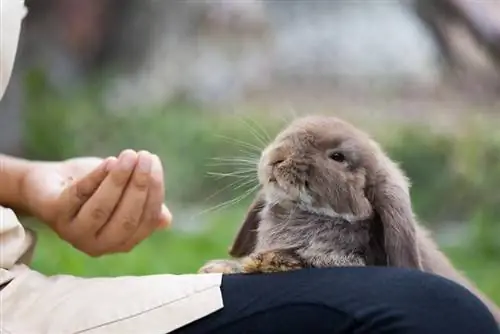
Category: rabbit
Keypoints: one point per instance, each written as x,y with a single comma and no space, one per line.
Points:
350,196
329,197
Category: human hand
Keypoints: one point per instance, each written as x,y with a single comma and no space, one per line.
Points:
100,206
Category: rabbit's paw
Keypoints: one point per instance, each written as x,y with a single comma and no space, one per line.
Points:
221,267
269,262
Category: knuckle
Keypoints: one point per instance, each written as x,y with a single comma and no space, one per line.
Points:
98,214
157,186
93,253
90,250
141,182
120,178
81,193
152,217
129,224
127,247
97,254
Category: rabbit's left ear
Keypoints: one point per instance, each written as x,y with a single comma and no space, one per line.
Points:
390,198
246,237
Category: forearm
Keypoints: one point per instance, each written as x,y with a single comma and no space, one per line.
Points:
12,173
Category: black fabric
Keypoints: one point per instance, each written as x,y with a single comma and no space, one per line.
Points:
370,300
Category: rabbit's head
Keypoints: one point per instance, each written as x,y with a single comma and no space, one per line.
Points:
327,166
318,164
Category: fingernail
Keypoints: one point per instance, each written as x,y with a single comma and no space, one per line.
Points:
166,219
125,152
110,163
127,160
157,168
166,212
145,161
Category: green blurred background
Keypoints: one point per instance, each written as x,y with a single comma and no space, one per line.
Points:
446,139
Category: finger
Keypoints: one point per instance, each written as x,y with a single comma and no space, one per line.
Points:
126,219
152,210
74,196
165,218
98,209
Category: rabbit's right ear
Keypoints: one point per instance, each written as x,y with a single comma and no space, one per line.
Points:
390,198
246,237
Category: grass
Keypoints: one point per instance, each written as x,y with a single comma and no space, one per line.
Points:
166,251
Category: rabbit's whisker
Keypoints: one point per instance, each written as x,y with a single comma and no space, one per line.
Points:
235,159
292,212
231,202
292,114
235,162
222,189
249,181
264,134
258,136
232,164
238,174
249,153
252,147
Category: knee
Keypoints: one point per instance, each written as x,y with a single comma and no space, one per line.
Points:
433,304
411,300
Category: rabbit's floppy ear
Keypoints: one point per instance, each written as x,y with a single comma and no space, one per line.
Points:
390,198
246,237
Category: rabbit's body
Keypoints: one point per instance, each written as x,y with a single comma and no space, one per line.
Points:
315,211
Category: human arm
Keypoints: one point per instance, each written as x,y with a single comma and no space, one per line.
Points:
100,206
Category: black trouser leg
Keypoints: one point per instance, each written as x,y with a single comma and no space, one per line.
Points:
345,300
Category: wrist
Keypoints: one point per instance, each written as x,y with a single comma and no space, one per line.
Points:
32,189
13,173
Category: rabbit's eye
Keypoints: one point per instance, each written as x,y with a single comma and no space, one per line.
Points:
339,157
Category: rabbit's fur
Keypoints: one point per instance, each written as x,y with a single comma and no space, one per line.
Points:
330,196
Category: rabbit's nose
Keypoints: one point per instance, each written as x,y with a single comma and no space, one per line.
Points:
277,162
277,156
274,166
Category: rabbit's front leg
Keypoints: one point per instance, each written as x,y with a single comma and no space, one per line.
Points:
221,267
261,262
272,261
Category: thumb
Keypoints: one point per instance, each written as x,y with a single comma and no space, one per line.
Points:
76,194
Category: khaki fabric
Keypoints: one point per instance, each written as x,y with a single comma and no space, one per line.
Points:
15,241
12,12
33,303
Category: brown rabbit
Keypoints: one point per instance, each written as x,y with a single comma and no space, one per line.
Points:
330,196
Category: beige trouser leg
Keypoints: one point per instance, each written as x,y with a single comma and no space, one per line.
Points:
33,303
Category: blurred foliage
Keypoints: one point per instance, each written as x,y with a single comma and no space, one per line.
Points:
170,252
455,177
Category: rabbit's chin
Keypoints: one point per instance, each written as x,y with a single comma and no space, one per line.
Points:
277,193
293,198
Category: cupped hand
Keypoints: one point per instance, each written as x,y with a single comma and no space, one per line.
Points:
100,206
